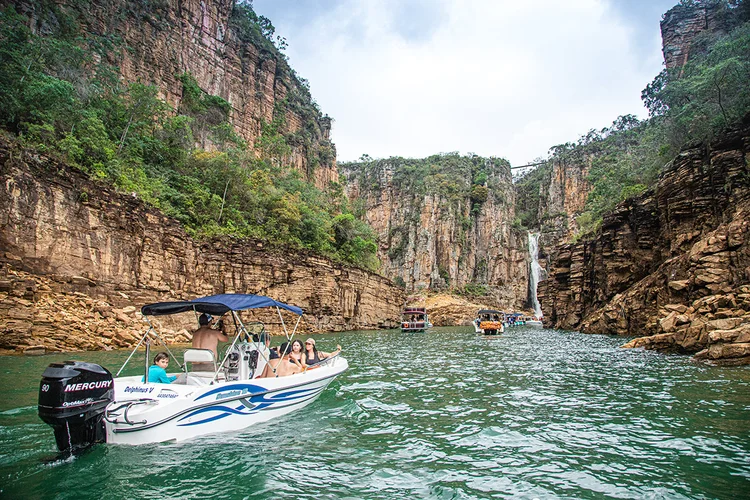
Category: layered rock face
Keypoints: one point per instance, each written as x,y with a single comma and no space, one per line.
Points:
432,242
79,260
682,24
673,261
563,198
162,40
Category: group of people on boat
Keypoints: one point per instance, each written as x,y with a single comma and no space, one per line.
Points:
286,359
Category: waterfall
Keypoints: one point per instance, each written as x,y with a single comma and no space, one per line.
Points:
536,270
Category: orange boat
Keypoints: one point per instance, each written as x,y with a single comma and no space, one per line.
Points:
489,322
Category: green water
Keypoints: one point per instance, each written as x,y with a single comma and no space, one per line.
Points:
445,414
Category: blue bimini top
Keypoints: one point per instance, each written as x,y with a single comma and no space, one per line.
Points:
217,305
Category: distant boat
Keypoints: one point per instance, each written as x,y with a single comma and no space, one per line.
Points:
414,319
533,322
514,319
489,322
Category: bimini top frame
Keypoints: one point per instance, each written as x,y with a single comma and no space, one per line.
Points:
215,305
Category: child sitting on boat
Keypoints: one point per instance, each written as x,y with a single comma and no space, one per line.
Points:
158,371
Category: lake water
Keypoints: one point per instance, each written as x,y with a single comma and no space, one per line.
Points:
533,413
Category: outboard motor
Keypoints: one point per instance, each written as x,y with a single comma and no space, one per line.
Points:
73,396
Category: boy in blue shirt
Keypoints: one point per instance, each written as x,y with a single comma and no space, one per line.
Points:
158,371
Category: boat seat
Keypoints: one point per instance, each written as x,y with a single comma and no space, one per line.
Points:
203,356
204,378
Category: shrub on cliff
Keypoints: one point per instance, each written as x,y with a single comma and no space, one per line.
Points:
709,94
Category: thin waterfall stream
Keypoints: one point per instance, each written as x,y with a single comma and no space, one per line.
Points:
536,271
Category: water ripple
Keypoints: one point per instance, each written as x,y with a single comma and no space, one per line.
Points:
447,414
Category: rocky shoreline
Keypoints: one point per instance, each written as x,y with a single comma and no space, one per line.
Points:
671,266
718,325
38,317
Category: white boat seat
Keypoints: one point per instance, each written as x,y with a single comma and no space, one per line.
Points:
198,356
203,356
204,378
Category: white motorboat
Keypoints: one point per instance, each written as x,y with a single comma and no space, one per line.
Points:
489,322
85,404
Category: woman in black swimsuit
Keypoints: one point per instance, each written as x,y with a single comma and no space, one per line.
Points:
311,352
295,355
313,356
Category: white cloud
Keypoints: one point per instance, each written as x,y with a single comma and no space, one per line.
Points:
496,78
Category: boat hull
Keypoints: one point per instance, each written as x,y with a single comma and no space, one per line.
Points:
420,327
174,412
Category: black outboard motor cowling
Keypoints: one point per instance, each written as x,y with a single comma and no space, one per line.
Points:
73,396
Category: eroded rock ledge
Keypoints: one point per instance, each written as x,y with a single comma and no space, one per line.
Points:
79,260
671,266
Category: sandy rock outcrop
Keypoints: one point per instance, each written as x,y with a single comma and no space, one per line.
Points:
449,310
718,325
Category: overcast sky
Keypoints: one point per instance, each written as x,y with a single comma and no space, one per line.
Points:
493,77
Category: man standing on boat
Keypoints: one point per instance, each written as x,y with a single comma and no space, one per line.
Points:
206,337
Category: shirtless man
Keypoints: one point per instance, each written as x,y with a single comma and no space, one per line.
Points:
206,337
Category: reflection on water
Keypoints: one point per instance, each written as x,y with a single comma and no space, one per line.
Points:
531,413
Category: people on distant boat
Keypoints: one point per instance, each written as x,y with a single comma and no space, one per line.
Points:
157,373
206,337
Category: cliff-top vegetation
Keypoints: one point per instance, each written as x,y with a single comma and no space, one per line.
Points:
457,178
60,96
690,104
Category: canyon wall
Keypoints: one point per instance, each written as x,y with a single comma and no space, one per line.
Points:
79,260
156,42
562,197
681,25
437,237
673,263
564,192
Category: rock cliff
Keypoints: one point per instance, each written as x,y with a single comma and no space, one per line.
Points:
156,42
673,262
563,197
437,230
79,260
681,25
